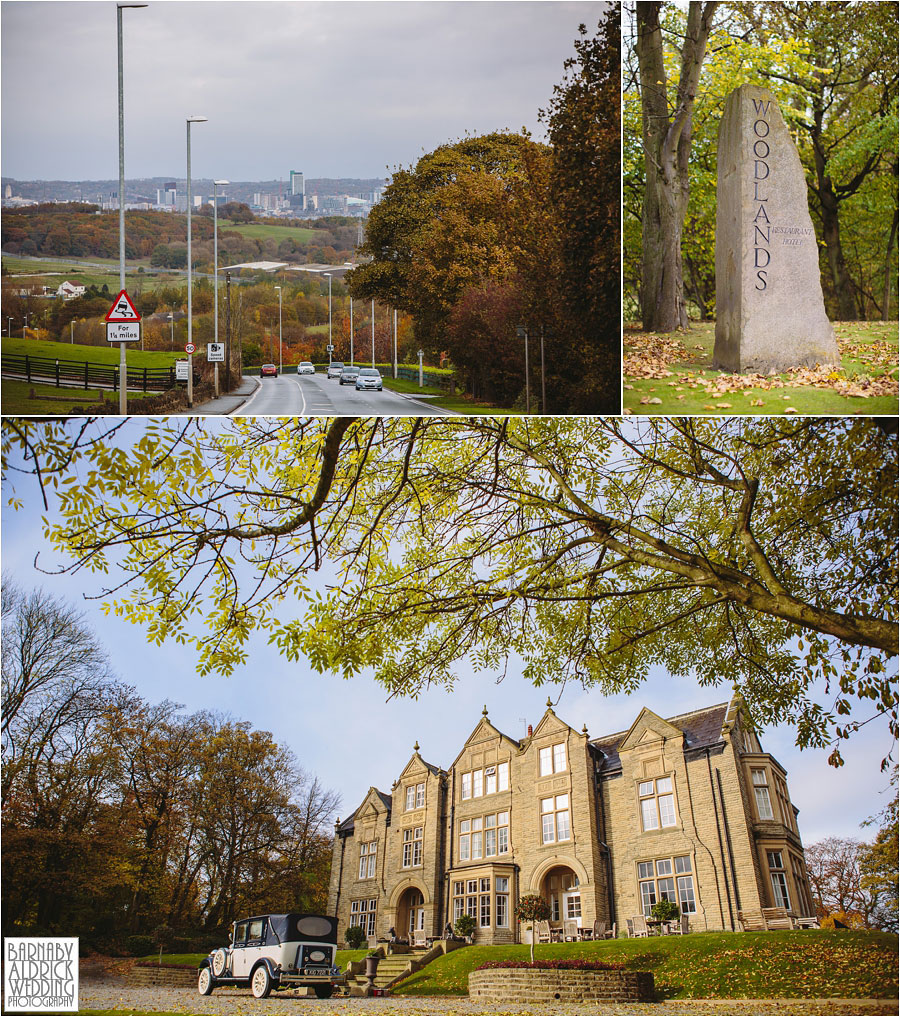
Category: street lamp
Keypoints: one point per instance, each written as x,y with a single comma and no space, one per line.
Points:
373,333
216,185
330,347
351,331
171,317
395,342
522,332
279,332
123,368
190,384
25,324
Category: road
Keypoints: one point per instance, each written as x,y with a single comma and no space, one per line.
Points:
293,395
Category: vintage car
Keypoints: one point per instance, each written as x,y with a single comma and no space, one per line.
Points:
275,952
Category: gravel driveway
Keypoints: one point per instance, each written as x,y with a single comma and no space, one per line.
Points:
107,996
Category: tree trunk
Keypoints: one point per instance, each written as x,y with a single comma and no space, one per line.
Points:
667,146
888,272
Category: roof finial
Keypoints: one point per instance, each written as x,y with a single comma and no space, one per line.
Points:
416,747
484,711
584,731
549,703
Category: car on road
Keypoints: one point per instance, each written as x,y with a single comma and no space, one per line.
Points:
349,375
369,378
335,368
268,371
305,367
270,952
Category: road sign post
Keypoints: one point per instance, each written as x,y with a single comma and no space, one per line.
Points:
215,355
125,323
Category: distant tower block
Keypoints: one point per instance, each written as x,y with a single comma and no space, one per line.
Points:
298,190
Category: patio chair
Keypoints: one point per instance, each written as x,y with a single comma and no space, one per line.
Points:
678,926
543,932
600,931
418,937
777,918
640,926
371,942
570,930
629,928
752,920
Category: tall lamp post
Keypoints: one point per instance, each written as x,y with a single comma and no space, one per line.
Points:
328,277
123,367
522,332
216,185
280,367
190,384
373,333
351,331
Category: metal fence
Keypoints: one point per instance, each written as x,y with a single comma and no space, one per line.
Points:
83,374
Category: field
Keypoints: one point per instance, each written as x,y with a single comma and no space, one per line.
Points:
672,374
51,272
93,354
262,231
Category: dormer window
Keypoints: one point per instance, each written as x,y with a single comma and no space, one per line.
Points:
657,803
415,797
552,759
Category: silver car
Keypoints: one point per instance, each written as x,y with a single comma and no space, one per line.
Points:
335,368
369,378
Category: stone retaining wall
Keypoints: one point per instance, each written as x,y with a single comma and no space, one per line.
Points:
549,985
166,974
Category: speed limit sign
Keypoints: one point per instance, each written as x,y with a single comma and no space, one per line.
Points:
189,348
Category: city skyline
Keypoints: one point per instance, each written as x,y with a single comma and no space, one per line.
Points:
348,89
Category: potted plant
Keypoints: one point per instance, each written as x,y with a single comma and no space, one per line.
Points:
464,926
532,908
664,910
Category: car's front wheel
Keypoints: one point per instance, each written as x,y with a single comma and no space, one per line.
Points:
324,991
205,983
261,983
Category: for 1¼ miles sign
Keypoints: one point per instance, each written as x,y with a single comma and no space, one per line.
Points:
123,332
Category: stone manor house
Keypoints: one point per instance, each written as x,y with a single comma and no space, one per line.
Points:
690,808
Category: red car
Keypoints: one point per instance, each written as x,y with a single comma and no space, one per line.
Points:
268,370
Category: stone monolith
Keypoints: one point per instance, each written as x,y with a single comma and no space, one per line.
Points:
770,314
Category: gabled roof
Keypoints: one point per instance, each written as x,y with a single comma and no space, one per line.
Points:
373,792
484,730
701,729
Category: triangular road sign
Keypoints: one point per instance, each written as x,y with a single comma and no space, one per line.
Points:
122,309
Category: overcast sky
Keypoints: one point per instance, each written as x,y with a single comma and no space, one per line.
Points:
331,89
347,734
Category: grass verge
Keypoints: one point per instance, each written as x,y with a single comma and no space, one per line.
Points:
672,374
52,401
709,965
108,355
456,403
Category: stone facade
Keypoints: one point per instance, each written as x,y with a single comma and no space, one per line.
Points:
688,808
536,985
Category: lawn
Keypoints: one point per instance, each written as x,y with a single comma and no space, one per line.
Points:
671,373
709,965
93,354
52,401
52,273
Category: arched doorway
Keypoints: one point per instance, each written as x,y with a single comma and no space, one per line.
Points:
411,912
561,888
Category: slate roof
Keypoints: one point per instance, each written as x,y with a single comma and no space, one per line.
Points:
702,729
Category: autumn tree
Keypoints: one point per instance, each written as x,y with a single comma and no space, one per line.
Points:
756,553
667,149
